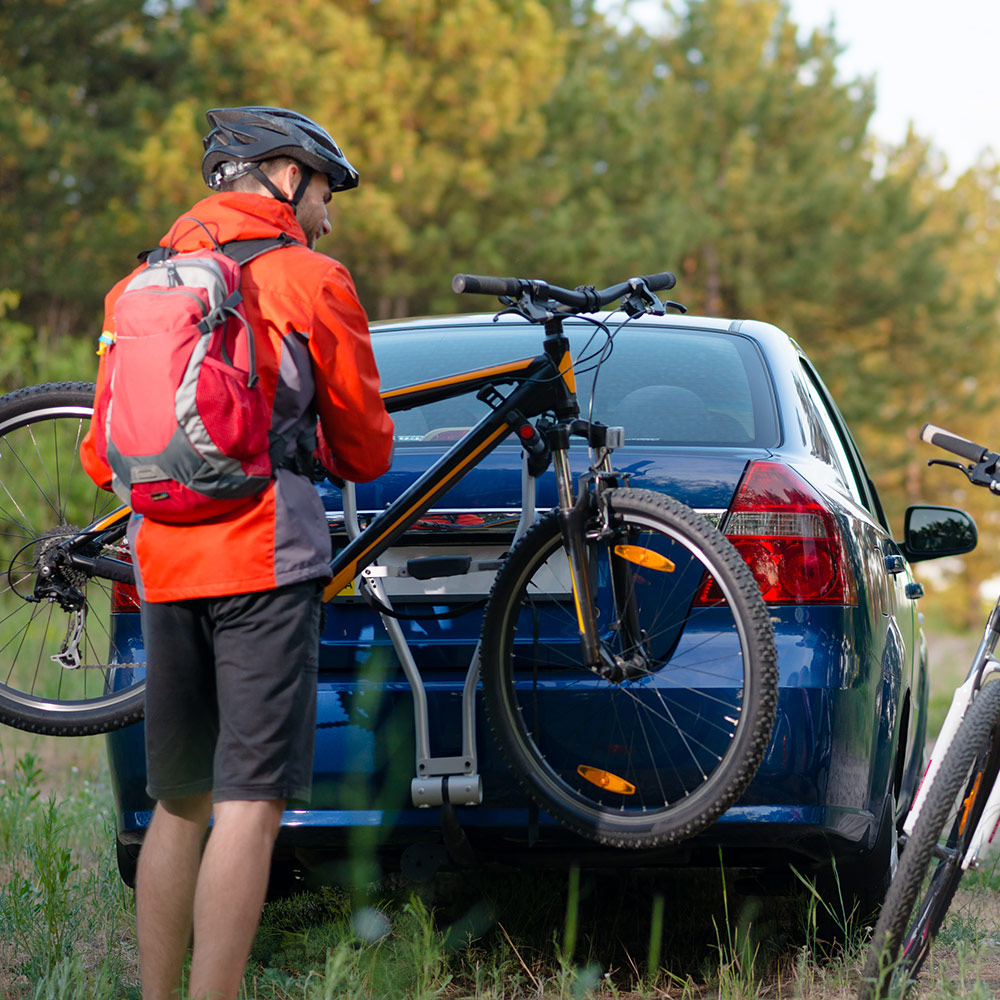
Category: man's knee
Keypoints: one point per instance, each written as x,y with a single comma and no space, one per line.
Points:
260,815
192,808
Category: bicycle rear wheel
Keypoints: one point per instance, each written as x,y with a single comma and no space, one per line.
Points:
56,657
930,866
655,754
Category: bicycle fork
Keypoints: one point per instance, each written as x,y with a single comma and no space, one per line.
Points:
575,515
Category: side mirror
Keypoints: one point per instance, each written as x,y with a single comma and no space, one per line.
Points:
932,532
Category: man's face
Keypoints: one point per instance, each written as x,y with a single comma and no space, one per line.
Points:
311,213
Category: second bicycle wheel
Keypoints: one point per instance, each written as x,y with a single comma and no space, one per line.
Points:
57,654
655,754
930,866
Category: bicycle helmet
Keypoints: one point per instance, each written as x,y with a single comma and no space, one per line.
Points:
240,138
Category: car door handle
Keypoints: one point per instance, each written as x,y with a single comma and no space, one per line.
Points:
914,590
894,564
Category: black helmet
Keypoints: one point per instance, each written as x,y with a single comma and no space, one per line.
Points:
249,135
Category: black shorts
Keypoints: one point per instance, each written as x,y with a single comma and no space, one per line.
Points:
231,694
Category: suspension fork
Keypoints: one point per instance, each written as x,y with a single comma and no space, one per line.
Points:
574,514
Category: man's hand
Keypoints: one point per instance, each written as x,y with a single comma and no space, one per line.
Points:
321,473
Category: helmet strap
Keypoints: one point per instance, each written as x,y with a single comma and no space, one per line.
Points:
269,184
307,176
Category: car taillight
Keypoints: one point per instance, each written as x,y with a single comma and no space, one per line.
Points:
124,596
790,541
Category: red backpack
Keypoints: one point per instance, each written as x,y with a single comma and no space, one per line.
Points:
182,420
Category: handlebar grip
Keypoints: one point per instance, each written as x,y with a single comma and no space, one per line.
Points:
952,442
660,282
484,284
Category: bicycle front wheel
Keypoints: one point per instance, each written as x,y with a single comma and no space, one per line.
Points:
930,866
654,750
56,655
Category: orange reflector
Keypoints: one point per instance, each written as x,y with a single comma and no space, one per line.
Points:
967,803
644,557
605,779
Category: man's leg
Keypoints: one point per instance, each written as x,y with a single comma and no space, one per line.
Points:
232,884
165,889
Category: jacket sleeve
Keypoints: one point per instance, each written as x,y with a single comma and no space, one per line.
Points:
352,416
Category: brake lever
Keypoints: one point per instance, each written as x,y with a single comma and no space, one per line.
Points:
641,300
533,315
526,307
981,474
952,465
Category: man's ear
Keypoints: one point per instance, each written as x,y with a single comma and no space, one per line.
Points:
287,179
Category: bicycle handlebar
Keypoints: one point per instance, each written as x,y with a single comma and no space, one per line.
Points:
952,442
480,284
579,299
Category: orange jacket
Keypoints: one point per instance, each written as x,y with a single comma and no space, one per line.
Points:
313,350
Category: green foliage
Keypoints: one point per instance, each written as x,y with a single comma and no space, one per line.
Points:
526,137
79,83
17,800
30,356
62,909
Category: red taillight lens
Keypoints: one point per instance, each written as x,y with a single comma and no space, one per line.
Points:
124,596
790,541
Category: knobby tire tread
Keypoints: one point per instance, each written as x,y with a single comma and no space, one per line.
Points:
880,975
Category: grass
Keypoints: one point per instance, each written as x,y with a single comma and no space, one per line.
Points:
67,922
65,918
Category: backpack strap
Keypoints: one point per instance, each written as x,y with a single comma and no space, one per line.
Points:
154,255
244,251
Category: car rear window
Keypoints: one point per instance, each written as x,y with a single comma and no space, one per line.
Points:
666,386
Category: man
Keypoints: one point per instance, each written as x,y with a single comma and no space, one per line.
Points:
230,609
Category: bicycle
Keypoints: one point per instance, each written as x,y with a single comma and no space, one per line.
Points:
956,811
660,623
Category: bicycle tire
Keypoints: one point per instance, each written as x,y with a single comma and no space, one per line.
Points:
45,494
710,699
925,882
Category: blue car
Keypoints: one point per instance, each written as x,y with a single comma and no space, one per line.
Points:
732,419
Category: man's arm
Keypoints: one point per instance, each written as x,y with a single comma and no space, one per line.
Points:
352,416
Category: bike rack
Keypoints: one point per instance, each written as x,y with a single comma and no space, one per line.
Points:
438,780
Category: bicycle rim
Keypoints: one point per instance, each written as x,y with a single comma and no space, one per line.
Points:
56,662
654,755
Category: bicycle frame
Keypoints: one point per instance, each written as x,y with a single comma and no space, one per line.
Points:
984,665
529,399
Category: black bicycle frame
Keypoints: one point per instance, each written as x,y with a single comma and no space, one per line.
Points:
543,383
540,385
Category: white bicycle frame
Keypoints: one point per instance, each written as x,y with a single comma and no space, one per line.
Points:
984,665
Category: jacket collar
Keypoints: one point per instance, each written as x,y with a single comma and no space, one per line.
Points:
232,215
